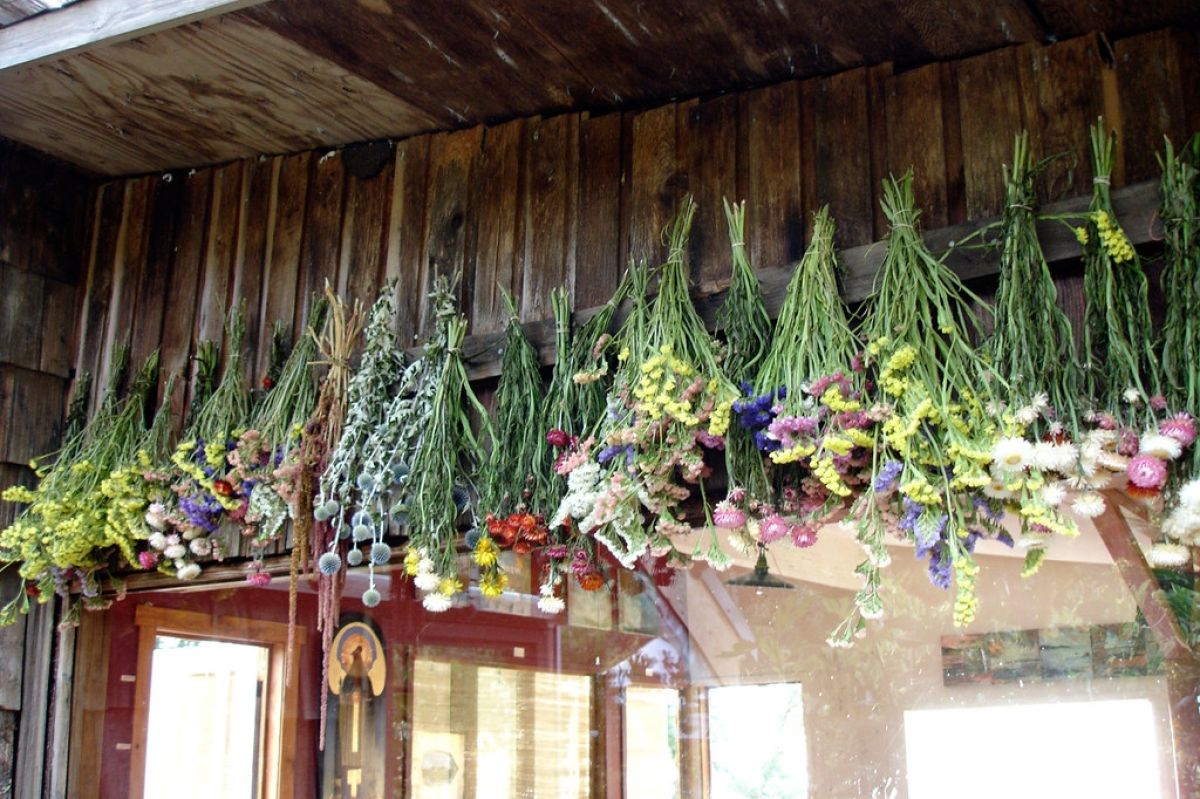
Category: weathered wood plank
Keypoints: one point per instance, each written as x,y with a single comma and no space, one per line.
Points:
22,302
654,187
406,233
97,23
153,298
219,248
841,160
989,93
12,637
35,693
131,269
1062,94
186,268
11,474
774,209
89,704
93,317
61,696
877,77
1152,99
916,138
58,327
34,409
285,231
956,202
500,210
322,232
452,159
712,178
364,243
598,262
550,214
250,260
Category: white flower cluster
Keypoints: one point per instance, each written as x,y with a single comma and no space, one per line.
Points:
1182,524
549,602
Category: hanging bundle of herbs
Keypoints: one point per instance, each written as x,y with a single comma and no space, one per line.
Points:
1031,346
445,463
63,531
203,383
1120,364
280,416
746,327
228,408
1180,214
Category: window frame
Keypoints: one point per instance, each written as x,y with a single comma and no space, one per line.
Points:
281,694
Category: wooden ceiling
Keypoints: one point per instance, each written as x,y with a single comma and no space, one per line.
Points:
290,75
12,11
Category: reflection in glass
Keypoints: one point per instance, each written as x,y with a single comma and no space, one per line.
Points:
771,762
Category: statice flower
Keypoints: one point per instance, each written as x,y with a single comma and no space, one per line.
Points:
888,474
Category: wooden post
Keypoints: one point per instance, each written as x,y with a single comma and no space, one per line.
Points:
1182,664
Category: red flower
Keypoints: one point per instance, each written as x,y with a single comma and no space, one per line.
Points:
223,487
268,383
590,581
558,438
31,589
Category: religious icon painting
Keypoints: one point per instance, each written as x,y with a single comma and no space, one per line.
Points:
353,763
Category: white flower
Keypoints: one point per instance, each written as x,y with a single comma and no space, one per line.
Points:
1089,505
1032,539
1026,415
1053,494
1169,555
1182,524
1132,396
1040,401
200,547
157,541
192,532
188,572
427,581
156,516
175,551
437,602
551,604
1054,457
996,490
1011,454
425,564
1160,446
740,542
1189,494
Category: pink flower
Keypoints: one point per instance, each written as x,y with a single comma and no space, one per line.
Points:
803,536
1158,402
1128,444
772,528
557,438
729,516
258,579
1181,427
147,559
1146,471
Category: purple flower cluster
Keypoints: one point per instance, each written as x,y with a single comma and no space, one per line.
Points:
889,473
756,412
613,450
202,510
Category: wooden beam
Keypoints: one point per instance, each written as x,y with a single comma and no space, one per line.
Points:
97,23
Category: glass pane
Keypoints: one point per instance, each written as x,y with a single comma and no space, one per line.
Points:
206,708
770,763
651,743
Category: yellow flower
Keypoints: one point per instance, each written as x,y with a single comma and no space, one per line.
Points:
449,586
411,559
493,583
1081,235
623,355
486,552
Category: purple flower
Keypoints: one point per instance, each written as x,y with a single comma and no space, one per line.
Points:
888,475
202,510
941,568
912,510
1004,538
764,442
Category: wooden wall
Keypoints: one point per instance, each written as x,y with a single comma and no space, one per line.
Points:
530,204
43,208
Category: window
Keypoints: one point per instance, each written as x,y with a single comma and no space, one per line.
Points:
1099,749
212,691
771,763
651,743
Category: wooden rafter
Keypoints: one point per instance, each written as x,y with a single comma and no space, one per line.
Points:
96,23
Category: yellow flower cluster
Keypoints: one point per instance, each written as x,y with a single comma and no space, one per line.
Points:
891,377
965,603
825,471
718,422
127,493
449,586
796,452
1038,513
919,490
1081,235
411,559
182,459
663,380
1112,238
899,430
833,399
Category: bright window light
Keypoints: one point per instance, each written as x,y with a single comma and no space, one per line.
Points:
1101,750
756,741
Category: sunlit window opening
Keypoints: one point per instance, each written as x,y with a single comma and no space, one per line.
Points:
772,761
1101,750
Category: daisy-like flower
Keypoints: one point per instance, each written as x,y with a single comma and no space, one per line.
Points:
436,602
175,551
157,541
728,515
1012,454
1026,415
1181,427
1168,556
156,516
188,572
1088,505
1132,396
427,581
740,542
1040,402
1053,494
996,490
772,528
802,535
1147,471
1182,524
1160,446
550,604
1189,495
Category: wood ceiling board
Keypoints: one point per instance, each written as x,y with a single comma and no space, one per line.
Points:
13,11
99,23
1066,18
458,62
203,93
